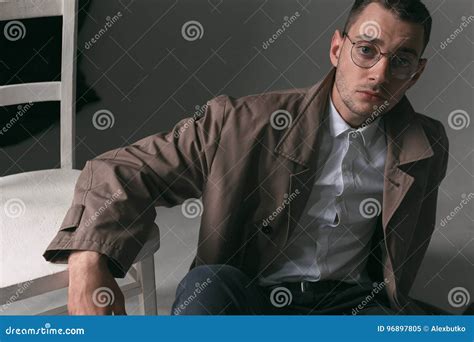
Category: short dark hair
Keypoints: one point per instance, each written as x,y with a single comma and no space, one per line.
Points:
413,11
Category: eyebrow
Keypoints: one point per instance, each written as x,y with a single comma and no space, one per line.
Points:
378,42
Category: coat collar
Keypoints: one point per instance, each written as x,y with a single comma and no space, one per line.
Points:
338,126
406,139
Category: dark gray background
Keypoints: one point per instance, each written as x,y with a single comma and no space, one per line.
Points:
149,77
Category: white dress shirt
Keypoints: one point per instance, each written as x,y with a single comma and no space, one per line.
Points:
332,237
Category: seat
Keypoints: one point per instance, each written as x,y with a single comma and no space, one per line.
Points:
33,204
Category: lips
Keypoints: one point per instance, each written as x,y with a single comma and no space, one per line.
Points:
371,93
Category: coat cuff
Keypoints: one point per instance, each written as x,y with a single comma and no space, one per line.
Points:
118,262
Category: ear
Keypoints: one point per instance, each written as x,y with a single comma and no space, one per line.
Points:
336,47
417,75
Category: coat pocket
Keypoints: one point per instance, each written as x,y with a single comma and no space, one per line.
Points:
73,217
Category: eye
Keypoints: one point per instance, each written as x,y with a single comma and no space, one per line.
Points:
366,51
401,62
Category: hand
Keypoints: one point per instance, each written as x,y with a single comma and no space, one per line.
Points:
92,288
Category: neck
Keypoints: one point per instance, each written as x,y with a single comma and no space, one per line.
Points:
352,119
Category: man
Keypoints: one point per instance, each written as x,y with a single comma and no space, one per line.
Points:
316,201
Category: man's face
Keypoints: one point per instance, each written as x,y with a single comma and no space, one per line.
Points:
352,82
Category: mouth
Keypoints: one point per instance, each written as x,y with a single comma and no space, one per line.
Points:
370,95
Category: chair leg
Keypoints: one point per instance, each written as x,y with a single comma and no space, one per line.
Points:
59,311
146,277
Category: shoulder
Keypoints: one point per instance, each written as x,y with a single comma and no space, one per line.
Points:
434,130
436,134
256,110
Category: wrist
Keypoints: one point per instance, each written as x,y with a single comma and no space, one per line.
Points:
87,258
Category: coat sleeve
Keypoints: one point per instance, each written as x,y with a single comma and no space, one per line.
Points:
115,196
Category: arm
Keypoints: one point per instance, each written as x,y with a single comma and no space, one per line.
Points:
113,209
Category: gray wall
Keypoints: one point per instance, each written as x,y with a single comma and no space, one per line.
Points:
149,77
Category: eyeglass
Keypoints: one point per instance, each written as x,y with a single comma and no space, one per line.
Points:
365,54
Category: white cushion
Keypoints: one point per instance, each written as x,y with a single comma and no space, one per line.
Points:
32,207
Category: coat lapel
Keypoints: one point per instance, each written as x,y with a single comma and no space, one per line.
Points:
406,143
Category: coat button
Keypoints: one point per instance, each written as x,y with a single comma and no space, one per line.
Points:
267,229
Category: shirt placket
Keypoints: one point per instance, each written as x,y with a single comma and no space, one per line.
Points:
354,143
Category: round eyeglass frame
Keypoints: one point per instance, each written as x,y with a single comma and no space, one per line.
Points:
380,55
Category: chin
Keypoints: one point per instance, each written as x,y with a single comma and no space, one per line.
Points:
365,109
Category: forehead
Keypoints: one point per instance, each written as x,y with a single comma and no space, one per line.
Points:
384,27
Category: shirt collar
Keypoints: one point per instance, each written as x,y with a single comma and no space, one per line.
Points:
338,126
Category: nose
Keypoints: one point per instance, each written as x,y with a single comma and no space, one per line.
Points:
380,72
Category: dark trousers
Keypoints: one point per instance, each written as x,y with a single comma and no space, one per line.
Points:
225,290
